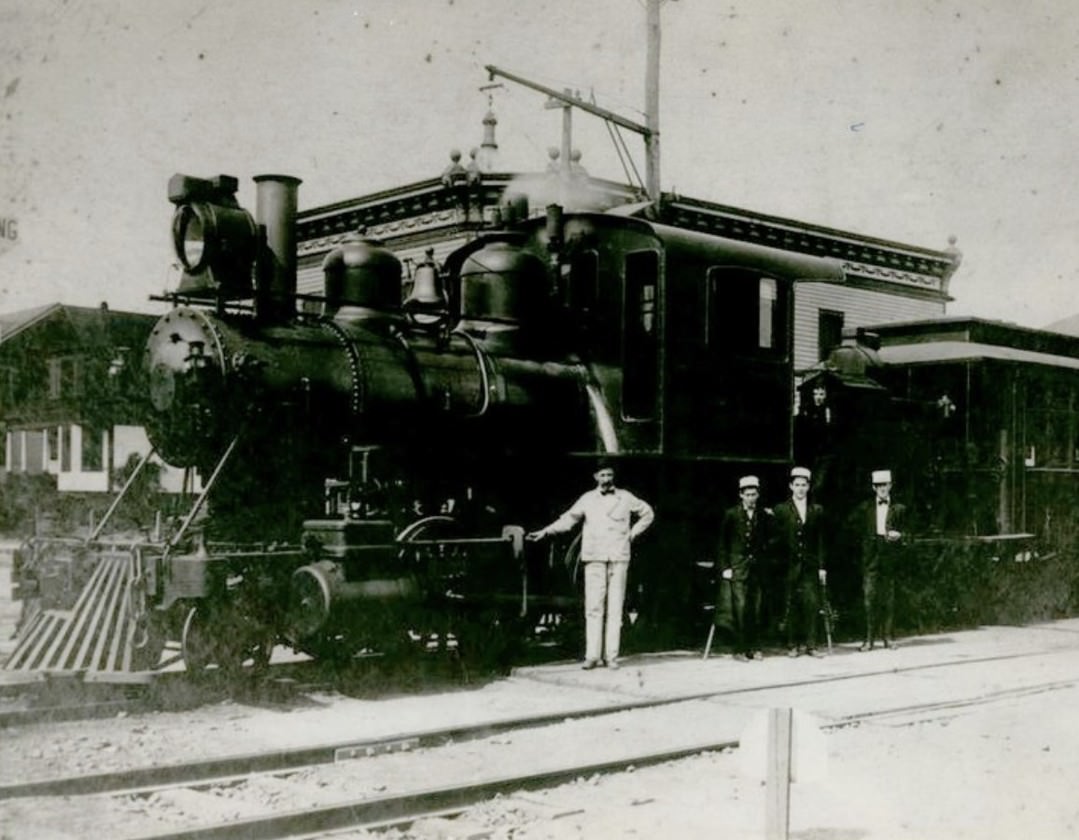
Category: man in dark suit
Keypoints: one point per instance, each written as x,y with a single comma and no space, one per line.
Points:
744,537
799,541
880,523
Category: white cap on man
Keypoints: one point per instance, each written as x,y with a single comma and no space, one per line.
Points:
749,481
882,476
801,472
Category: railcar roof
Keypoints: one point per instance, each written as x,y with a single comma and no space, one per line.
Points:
932,352
958,338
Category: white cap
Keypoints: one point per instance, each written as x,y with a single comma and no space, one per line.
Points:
882,476
801,472
748,481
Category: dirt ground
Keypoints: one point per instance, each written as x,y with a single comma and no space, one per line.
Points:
1000,763
996,757
997,772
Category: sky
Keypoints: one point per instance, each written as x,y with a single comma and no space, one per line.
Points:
914,121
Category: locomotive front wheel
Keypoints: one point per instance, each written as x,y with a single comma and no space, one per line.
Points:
489,640
424,630
197,642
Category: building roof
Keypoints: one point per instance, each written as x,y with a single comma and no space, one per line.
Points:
86,321
431,208
12,323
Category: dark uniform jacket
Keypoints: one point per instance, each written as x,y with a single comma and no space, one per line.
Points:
744,541
800,545
874,548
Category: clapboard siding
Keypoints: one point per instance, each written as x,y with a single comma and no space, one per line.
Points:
860,307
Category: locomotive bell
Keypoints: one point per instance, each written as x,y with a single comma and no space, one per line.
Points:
427,299
360,272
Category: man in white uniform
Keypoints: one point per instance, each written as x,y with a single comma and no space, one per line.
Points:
612,519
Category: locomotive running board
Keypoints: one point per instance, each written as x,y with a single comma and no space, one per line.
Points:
95,638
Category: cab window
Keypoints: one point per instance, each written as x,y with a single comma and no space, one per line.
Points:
745,313
640,356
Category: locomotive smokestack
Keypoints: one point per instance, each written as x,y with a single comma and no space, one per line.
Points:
275,213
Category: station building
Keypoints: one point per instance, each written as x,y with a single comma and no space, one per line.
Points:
884,280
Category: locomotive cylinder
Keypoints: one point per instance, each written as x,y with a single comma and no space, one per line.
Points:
356,577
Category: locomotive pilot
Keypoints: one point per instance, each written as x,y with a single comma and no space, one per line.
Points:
744,539
612,519
799,541
879,523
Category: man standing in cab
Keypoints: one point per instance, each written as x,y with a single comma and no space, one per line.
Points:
612,519
744,537
880,523
799,539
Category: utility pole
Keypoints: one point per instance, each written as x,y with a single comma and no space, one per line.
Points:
649,131
567,129
651,103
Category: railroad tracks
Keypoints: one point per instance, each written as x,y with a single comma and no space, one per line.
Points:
331,768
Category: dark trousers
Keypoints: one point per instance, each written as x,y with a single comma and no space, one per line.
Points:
745,611
803,607
878,596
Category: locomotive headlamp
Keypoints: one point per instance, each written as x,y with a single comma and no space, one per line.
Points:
188,237
214,238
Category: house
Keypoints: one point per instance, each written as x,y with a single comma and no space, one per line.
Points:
69,395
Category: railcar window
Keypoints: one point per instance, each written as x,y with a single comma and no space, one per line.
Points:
640,363
1050,423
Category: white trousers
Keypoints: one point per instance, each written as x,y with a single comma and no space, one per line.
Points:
604,588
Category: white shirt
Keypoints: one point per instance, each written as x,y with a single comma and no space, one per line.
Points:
800,505
612,521
882,518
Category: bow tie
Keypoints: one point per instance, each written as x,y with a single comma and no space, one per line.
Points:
882,501
607,491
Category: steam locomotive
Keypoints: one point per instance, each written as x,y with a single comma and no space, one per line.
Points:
384,443
369,456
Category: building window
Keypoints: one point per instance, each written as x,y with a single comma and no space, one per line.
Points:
65,449
829,332
64,377
33,451
91,449
8,380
